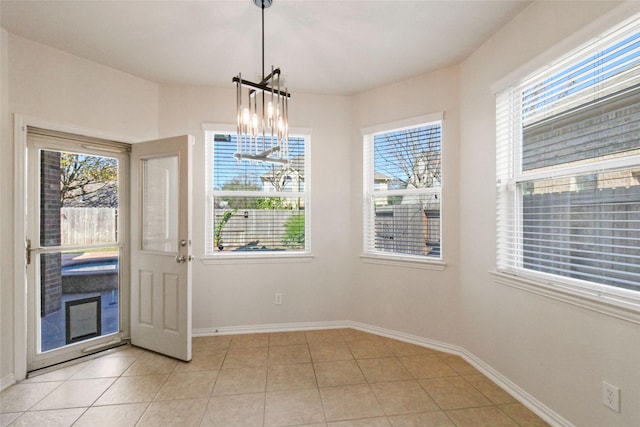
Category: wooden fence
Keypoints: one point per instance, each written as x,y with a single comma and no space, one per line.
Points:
87,226
583,235
255,229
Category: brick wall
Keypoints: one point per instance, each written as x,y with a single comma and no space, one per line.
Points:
50,264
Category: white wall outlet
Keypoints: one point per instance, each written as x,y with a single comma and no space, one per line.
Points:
278,298
611,396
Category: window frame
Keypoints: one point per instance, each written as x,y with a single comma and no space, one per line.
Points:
369,253
615,301
257,257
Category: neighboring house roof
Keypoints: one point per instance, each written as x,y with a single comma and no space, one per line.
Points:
95,196
380,177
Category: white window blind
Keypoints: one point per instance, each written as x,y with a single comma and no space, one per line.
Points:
256,207
568,168
402,180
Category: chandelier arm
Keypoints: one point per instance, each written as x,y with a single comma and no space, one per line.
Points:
260,87
270,76
240,156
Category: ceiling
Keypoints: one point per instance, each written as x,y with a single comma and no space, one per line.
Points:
324,47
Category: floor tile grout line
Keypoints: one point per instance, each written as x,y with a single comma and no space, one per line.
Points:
479,391
83,412
266,384
45,396
315,376
510,417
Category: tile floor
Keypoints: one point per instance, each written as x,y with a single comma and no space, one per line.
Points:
338,377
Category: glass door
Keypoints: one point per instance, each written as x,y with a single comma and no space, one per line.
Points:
75,249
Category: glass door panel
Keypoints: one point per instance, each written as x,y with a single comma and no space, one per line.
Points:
160,204
78,268
69,280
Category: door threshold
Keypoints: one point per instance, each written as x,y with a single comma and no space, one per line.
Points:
99,352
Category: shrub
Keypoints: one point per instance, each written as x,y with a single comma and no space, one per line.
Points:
294,232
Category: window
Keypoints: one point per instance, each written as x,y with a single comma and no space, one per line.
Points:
402,189
256,207
568,170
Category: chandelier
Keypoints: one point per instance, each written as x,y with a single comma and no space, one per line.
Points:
262,113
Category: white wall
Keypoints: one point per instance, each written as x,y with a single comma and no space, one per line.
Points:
556,352
54,86
411,300
50,84
6,263
240,294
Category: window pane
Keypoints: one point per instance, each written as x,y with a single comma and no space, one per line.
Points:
587,227
78,200
259,224
407,159
252,203
159,221
604,129
230,174
408,224
581,82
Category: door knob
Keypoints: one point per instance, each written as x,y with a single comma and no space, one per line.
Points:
180,259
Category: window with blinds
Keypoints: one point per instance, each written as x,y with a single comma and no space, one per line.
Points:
402,180
568,169
256,207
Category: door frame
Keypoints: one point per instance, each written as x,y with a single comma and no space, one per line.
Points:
20,300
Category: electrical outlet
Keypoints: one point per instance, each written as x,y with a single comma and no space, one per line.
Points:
611,396
278,299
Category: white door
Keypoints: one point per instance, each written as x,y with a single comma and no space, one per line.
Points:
161,246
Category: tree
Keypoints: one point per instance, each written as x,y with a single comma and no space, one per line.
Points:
278,176
84,177
294,232
217,232
411,157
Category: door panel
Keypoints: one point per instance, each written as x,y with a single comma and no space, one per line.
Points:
171,293
161,246
145,299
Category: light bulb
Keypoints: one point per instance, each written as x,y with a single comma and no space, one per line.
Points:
245,116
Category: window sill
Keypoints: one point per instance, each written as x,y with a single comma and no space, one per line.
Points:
408,262
257,259
619,307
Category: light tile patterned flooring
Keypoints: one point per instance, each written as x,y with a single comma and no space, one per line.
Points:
338,377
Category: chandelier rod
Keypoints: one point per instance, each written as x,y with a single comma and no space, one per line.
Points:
262,39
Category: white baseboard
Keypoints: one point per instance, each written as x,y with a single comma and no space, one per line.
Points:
7,381
411,339
513,389
517,392
275,327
